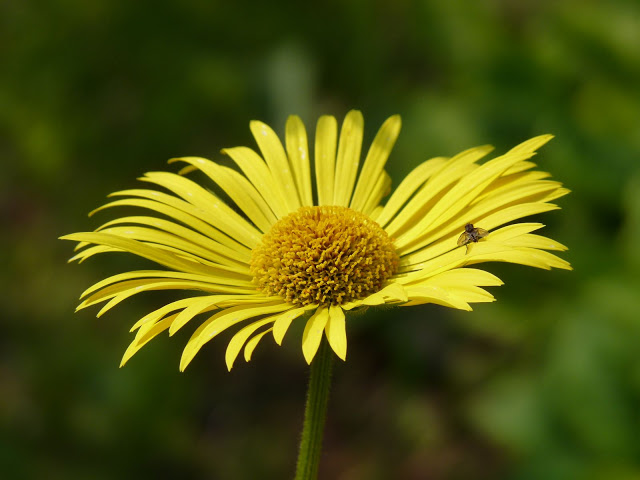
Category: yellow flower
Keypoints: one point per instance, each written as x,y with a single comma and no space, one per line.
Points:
296,245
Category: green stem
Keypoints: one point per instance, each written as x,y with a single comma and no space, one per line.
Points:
315,413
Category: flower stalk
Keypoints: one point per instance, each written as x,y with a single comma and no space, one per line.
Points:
315,413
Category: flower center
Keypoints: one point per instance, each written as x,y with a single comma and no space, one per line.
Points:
323,255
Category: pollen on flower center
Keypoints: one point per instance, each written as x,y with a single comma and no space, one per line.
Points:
325,255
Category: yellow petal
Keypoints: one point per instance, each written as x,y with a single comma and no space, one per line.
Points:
139,274
394,292
536,241
141,249
214,210
348,157
408,187
464,276
336,331
184,212
524,256
276,159
258,173
441,180
461,284
141,341
531,145
240,338
460,195
325,155
182,246
298,152
159,313
215,251
252,344
520,167
284,320
212,302
375,161
124,290
435,294
313,333
515,212
373,299
200,305
239,189
380,190
514,182
223,320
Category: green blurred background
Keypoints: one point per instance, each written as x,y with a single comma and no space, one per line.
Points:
543,384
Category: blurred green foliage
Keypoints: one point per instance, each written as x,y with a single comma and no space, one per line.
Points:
543,384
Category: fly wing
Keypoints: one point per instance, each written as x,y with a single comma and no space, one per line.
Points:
481,232
463,239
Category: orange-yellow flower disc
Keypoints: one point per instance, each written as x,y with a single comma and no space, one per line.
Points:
324,255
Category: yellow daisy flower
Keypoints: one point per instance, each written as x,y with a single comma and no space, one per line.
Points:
299,245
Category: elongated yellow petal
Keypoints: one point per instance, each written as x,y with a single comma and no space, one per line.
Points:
239,339
515,230
484,251
380,190
408,187
284,320
461,284
252,344
461,194
536,241
276,159
147,274
462,276
138,248
141,341
376,212
212,302
513,182
325,155
372,300
519,167
313,333
183,212
531,145
122,291
154,316
214,249
184,246
223,320
375,161
257,171
523,256
90,251
336,331
215,210
239,189
348,157
434,294
393,292
440,181
298,152
482,213
551,196
515,212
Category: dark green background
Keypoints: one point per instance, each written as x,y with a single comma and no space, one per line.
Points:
543,384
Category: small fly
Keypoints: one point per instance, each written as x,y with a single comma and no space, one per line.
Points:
471,234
